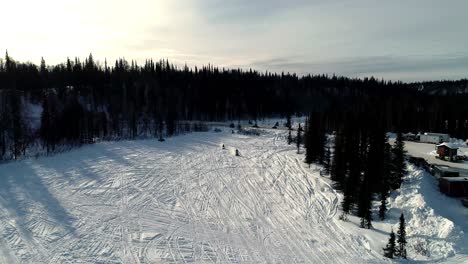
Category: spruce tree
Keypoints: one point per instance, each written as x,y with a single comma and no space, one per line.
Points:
365,203
308,144
383,204
346,204
288,121
386,180
339,161
320,138
327,160
389,250
43,67
306,125
354,169
45,125
4,126
368,215
53,127
401,238
299,138
18,125
289,137
399,166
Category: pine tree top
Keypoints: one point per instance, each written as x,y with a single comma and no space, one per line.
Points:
401,230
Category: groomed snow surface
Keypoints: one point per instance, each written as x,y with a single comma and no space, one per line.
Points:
188,200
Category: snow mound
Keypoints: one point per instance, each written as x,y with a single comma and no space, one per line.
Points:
431,236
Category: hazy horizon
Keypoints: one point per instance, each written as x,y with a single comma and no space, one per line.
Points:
398,40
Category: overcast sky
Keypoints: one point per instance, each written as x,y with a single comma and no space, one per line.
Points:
399,39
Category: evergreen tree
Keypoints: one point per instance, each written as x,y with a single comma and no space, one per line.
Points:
365,203
321,145
43,67
308,143
386,180
288,121
4,122
9,63
376,158
353,172
401,238
389,250
18,125
53,126
305,129
45,125
346,205
339,161
399,165
165,94
299,138
327,160
290,140
383,203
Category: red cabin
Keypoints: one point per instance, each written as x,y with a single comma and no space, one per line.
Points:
446,150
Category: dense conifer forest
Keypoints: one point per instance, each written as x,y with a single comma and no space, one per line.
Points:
84,101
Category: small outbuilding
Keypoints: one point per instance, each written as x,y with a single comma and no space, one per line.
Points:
454,186
447,150
436,138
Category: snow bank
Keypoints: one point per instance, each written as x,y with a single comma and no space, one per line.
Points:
435,224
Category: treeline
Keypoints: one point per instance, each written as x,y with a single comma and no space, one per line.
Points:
83,101
364,166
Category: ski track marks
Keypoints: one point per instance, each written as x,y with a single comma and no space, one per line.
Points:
185,200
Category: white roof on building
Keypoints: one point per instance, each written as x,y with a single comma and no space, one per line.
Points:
436,134
455,179
448,145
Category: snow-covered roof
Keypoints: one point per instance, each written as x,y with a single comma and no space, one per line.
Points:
448,145
435,134
455,179
446,168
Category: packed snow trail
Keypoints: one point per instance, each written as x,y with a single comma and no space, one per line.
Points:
180,201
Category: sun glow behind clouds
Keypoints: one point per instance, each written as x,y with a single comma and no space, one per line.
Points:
56,29
416,38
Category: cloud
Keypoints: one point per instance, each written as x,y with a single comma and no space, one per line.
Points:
349,37
246,10
425,67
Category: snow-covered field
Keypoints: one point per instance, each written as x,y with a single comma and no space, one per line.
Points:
188,200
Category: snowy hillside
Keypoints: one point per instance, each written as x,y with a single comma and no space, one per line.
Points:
188,200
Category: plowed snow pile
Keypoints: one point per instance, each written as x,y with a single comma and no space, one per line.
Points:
185,200
436,223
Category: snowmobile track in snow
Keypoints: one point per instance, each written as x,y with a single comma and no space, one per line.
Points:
181,201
